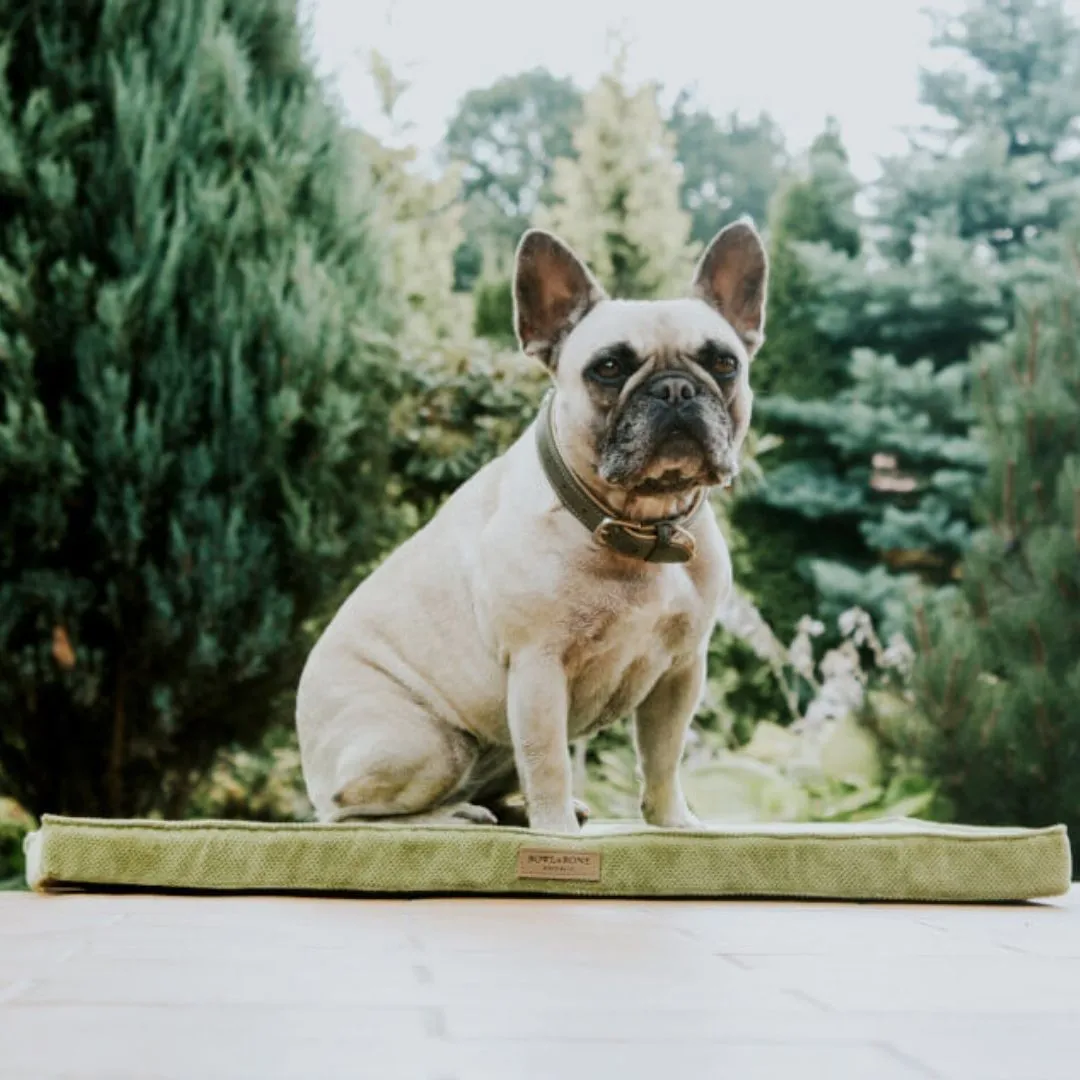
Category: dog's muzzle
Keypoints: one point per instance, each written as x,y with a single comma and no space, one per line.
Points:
667,541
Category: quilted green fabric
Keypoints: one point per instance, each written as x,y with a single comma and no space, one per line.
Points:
895,860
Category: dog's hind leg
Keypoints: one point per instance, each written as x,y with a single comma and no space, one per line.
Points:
455,813
385,757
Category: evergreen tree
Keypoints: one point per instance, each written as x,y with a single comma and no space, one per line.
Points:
617,203
731,166
782,515
493,308
421,217
816,205
506,138
998,676
460,401
192,390
962,222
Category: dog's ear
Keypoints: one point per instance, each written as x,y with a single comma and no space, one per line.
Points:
553,292
732,277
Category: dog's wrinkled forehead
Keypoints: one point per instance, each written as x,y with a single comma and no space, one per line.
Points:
657,330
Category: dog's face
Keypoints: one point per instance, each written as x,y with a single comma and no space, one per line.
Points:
655,393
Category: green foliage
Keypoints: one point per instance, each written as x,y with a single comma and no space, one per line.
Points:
999,672
419,214
506,138
1011,175
617,202
192,334
730,166
823,763
262,783
462,405
886,449
782,517
816,206
896,450
12,861
493,316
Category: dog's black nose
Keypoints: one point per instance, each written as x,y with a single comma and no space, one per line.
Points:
674,389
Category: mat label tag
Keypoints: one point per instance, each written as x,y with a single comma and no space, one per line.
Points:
554,865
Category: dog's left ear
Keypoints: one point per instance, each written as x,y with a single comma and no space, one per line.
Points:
553,292
732,277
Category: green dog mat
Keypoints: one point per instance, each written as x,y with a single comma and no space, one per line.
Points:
890,860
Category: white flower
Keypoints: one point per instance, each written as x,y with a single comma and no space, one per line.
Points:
741,617
801,656
898,654
810,627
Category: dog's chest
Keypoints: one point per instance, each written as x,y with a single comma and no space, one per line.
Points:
619,646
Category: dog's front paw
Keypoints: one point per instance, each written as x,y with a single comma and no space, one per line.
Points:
551,820
678,816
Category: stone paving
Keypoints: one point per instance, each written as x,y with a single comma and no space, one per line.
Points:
128,987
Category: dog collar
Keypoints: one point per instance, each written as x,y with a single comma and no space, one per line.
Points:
667,541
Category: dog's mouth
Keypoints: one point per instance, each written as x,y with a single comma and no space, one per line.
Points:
681,462
679,476
670,452
670,482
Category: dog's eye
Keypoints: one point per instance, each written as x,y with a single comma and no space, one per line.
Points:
726,366
613,365
723,365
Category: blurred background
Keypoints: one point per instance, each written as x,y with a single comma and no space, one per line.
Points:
255,326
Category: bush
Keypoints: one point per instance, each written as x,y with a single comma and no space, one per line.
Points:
461,405
192,436
999,671
494,312
12,862
264,783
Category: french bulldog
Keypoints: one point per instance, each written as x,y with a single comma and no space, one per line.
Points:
571,582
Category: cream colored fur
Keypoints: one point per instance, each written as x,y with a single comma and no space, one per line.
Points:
467,662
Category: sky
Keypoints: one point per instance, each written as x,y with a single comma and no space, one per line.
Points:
800,60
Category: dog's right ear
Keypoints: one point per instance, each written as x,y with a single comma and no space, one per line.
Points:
733,278
553,292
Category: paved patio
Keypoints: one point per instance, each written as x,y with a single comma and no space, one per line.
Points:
147,987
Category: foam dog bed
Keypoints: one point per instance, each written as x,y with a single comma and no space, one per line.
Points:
891,860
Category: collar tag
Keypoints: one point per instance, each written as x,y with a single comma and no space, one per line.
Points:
662,543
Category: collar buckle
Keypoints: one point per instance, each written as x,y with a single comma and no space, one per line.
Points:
664,542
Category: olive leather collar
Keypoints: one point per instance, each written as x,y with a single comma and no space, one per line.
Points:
667,541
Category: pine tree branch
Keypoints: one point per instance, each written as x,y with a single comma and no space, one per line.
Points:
1033,344
1062,586
1007,500
922,629
988,725
950,687
997,570
1045,728
1039,492
988,397
117,746
1037,644
1068,337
